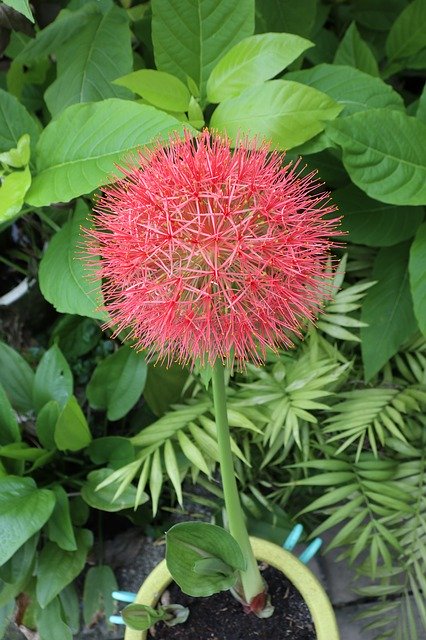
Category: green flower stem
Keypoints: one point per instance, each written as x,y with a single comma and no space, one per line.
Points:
251,579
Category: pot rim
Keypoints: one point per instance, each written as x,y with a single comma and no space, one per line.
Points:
295,571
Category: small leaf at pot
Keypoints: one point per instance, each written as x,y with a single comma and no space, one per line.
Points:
141,616
190,542
211,566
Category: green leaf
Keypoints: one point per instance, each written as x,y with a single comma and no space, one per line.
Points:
117,383
354,52
286,16
9,427
23,6
17,378
48,40
252,61
116,450
56,568
417,270
87,63
104,498
50,623
421,108
374,223
387,309
46,422
13,188
287,113
59,525
76,335
382,154
190,542
157,87
24,509
14,122
67,281
378,15
353,89
19,156
78,151
18,569
53,379
164,386
72,432
141,616
6,615
190,36
99,584
407,35
70,607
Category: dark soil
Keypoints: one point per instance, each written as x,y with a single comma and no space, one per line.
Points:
220,617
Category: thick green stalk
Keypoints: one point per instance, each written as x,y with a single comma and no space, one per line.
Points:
251,580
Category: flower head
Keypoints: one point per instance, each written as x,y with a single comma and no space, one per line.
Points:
212,252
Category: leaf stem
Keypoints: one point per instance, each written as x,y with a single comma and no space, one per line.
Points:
251,579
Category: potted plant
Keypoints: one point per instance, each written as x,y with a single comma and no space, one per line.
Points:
213,255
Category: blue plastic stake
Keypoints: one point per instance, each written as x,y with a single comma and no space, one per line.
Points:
293,537
116,620
310,551
124,596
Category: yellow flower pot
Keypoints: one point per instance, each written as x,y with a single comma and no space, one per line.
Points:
295,571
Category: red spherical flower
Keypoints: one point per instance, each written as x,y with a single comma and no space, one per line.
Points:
212,252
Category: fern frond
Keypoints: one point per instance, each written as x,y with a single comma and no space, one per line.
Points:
372,415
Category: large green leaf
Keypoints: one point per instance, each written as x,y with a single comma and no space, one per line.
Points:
354,52
72,432
53,379
417,269
387,309
117,382
87,63
407,35
24,510
203,558
353,89
104,498
252,61
14,122
287,113
66,280
286,16
56,568
374,223
384,154
190,36
78,151
9,427
17,378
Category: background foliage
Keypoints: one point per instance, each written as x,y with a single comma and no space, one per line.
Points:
331,432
